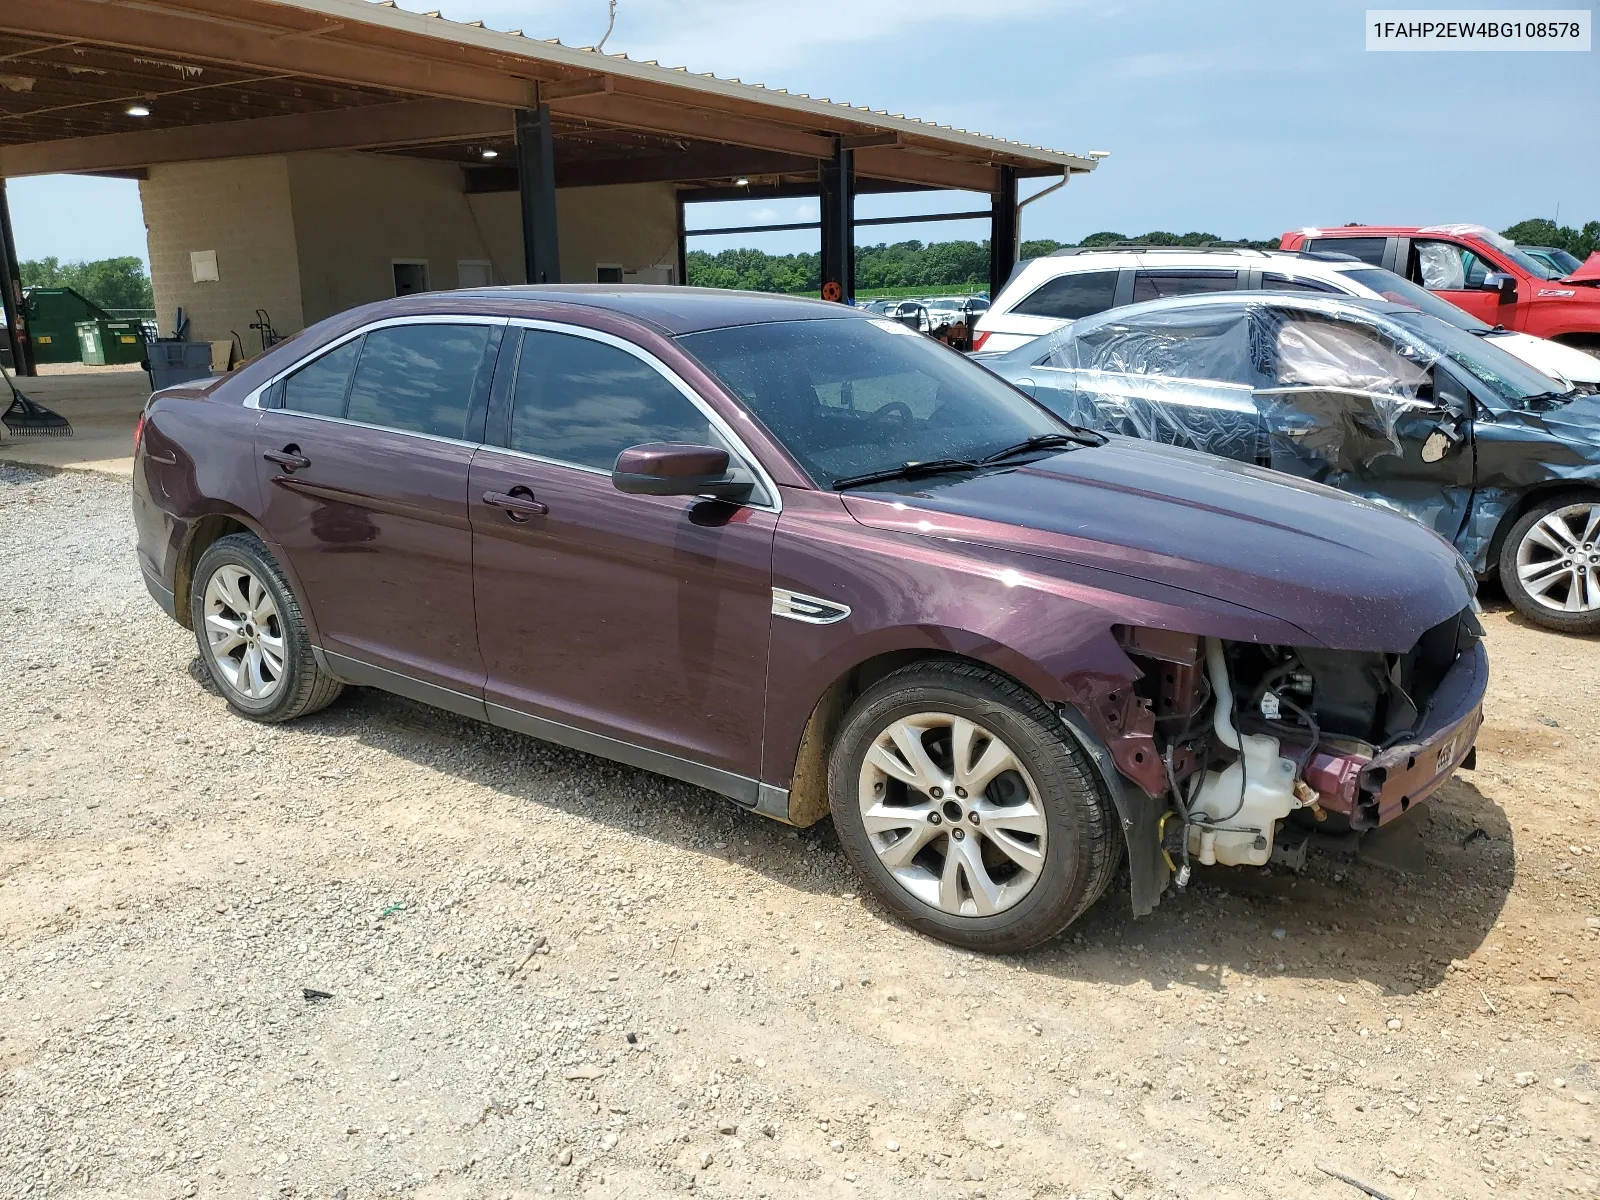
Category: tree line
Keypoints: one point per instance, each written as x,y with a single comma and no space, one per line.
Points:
109,282
123,283
914,264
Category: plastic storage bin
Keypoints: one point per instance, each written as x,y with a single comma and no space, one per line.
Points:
177,362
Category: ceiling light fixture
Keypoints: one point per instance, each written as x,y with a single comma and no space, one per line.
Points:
490,153
741,182
138,110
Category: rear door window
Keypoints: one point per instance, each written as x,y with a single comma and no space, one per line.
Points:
419,378
320,386
1271,281
1367,249
584,402
1158,285
1068,297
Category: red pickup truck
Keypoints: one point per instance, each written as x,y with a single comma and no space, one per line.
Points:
1478,270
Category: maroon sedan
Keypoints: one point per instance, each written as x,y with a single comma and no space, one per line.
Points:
815,562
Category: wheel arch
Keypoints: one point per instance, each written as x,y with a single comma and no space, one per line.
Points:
201,535
1579,339
1536,495
1138,814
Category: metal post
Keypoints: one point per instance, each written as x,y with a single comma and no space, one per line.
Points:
683,245
16,317
541,247
1004,228
837,200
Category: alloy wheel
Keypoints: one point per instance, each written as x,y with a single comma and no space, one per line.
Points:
952,814
1558,559
244,632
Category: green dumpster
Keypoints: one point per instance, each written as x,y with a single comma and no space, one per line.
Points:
101,342
53,316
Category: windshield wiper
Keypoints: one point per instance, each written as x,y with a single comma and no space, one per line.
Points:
1044,441
910,470
1551,398
1489,329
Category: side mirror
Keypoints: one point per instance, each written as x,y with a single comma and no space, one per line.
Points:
1499,281
674,469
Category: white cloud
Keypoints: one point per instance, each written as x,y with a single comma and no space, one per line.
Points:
1160,66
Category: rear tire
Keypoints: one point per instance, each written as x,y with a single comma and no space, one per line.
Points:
1550,564
998,867
252,636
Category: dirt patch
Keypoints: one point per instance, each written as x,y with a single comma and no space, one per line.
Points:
550,974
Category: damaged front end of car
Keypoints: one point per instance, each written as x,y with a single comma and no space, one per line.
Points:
1231,739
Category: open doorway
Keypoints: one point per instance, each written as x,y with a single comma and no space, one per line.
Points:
410,276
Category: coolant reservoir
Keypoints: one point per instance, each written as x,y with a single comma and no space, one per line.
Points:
1239,807
1243,803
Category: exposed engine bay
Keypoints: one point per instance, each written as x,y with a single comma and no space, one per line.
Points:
1242,736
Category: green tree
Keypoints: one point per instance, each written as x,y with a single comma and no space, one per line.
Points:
1540,232
908,264
109,282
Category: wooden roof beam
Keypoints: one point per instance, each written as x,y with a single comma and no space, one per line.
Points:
371,127
158,31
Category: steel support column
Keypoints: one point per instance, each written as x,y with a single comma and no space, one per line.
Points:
683,245
837,195
536,173
20,343
1004,228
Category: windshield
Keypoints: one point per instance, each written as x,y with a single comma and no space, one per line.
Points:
1561,260
1402,291
848,396
1513,380
1518,255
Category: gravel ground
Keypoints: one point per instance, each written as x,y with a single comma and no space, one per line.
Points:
549,974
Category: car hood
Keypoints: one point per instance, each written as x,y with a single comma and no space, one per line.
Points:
1588,271
1554,359
1577,423
1351,574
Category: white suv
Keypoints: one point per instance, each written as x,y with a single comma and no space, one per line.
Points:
1045,294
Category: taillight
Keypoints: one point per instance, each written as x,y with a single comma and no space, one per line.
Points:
977,342
138,433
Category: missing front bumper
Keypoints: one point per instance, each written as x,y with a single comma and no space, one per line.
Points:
1373,790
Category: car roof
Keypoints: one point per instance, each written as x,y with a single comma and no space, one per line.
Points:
1323,302
1455,229
1034,271
673,310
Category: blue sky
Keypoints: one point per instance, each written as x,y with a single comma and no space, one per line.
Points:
1244,119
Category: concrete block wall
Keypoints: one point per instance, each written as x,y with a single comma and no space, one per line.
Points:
239,208
306,236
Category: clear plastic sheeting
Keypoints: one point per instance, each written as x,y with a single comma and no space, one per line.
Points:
1216,418
1285,388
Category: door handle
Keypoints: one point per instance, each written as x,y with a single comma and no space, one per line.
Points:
518,503
165,458
290,459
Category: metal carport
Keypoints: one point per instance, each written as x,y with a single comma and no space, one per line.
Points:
226,79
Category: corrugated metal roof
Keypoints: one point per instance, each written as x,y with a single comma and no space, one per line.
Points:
386,13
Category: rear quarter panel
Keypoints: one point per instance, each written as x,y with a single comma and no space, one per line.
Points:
196,460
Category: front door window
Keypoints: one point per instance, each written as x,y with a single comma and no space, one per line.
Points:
1456,272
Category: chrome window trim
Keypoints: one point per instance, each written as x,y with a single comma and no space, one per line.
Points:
411,433
751,462
253,400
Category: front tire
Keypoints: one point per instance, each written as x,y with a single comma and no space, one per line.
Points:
969,809
1550,564
252,636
